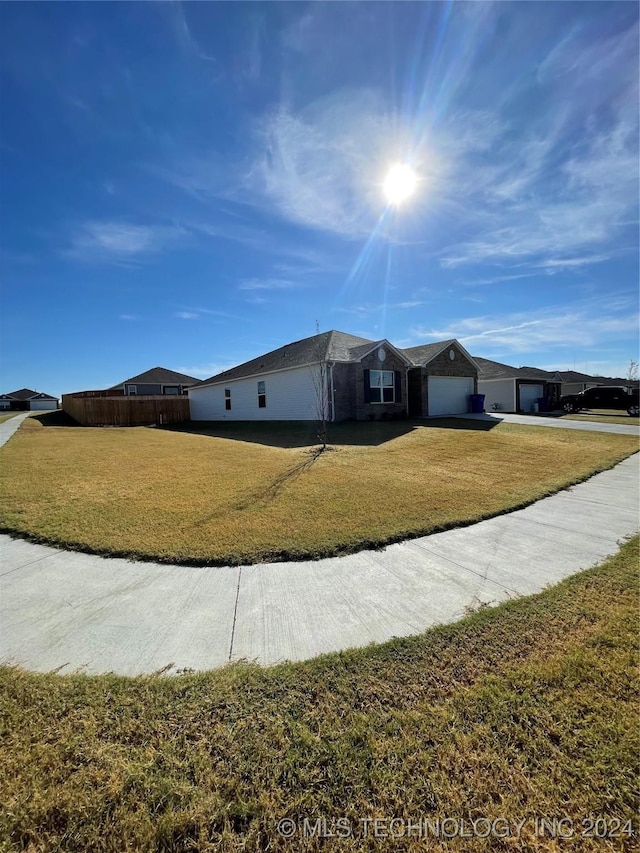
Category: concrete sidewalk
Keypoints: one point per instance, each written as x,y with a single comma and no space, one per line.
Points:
557,423
71,611
7,428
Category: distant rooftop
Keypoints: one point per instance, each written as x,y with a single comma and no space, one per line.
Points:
28,394
159,376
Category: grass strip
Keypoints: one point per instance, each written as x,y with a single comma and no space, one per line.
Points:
519,712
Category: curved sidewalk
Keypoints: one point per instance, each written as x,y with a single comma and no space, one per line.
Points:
70,611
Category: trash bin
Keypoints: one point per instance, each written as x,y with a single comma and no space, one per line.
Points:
476,404
543,404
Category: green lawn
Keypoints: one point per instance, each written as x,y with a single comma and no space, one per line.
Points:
521,712
247,493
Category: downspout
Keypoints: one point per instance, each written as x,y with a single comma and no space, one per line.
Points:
333,400
407,387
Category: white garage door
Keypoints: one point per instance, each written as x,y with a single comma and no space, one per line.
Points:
41,405
449,395
529,395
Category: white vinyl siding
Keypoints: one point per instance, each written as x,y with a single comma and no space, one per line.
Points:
499,394
449,395
529,394
290,396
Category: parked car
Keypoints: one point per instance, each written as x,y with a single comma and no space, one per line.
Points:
603,397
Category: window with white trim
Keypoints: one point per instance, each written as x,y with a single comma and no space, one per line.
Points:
227,399
382,386
262,395
132,389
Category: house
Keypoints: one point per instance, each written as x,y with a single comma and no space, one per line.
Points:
444,377
342,376
515,389
573,382
27,400
157,381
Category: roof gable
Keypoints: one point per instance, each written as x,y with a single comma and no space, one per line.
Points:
158,376
358,353
22,394
28,394
421,355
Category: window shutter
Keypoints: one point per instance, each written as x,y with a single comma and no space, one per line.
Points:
398,386
367,387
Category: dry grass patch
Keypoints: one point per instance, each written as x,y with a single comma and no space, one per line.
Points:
6,417
179,496
523,711
604,416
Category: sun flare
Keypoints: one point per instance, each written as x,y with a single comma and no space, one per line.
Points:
400,183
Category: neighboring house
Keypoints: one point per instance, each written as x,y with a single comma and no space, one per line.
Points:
156,381
27,400
342,375
573,382
515,389
628,384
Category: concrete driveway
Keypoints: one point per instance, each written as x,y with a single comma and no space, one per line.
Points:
557,423
76,612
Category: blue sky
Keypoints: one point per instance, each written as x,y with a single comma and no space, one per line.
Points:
192,184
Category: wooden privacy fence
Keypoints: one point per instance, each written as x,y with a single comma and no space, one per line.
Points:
126,411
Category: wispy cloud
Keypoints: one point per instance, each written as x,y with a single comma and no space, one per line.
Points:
191,313
127,317
553,265
588,324
269,284
369,308
222,315
572,185
322,166
498,279
183,33
119,242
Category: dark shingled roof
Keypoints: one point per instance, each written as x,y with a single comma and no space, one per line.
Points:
327,346
425,352
160,376
28,394
574,376
495,370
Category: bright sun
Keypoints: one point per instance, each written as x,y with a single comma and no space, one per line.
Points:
400,183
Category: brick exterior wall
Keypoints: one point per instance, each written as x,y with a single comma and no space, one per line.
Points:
443,366
349,392
380,411
344,380
417,392
440,366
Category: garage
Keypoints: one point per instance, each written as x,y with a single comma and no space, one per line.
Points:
449,395
42,405
529,394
